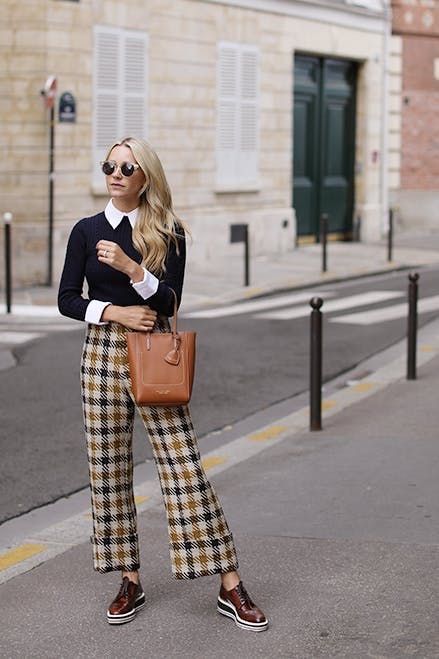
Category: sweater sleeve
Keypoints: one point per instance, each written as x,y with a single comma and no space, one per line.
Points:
163,300
71,303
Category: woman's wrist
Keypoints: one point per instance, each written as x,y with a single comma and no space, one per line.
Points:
135,272
110,313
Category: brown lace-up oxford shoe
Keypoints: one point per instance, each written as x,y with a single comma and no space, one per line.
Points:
127,602
237,604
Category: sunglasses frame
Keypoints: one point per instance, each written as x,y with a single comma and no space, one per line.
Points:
116,166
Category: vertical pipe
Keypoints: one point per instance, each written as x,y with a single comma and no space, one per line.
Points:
51,194
316,364
7,217
412,325
324,239
247,257
390,236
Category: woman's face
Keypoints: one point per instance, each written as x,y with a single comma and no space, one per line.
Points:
124,190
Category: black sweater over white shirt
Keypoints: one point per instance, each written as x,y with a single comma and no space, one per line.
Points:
107,285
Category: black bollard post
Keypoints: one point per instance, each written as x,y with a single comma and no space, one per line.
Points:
316,364
247,257
412,326
324,239
390,236
7,218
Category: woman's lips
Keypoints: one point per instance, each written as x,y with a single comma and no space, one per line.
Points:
116,185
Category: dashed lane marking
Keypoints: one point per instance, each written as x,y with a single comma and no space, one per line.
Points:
212,461
362,387
19,554
267,433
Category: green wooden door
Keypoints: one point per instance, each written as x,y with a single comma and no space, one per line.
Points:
324,143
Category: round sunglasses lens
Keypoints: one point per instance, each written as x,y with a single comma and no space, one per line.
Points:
108,167
127,169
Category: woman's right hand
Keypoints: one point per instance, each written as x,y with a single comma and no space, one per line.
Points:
136,317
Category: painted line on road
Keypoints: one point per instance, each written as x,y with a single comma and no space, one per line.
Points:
389,313
359,300
269,433
18,337
257,305
18,554
74,530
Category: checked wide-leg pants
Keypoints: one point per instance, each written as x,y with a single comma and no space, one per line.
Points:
200,540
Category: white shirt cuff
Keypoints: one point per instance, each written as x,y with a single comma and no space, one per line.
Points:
94,312
148,286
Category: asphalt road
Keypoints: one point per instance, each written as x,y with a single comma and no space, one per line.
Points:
244,363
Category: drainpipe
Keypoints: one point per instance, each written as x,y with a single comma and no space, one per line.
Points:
384,177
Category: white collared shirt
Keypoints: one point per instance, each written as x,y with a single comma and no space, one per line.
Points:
145,288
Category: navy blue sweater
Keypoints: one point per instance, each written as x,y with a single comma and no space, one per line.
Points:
104,282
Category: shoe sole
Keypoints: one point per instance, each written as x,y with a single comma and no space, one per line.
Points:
227,609
130,615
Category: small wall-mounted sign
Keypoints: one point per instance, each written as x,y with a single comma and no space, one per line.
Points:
67,108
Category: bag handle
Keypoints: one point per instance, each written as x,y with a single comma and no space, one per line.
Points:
174,317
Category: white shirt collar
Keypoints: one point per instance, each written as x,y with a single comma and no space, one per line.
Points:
114,216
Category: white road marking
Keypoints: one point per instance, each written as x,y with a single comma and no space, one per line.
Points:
362,299
18,337
38,310
256,305
388,313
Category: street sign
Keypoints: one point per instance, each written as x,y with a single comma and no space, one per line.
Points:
67,108
49,92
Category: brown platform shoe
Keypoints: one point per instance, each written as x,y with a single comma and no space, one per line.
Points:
127,602
237,604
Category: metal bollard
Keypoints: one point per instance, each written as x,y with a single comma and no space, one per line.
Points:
239,234
412,325
324,239
316,365
390,236
7,219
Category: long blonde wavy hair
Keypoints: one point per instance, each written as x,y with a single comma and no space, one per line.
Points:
156,224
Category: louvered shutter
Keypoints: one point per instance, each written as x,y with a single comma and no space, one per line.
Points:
133,118
237,118
119,90
106,98
248,152
228,114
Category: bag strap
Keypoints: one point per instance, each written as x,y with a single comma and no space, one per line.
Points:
174,317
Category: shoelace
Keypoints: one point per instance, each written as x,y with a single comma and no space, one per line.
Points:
243,595
124,587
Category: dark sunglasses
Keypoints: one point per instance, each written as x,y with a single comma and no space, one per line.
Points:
126,168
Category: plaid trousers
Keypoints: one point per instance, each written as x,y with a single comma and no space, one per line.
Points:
200,540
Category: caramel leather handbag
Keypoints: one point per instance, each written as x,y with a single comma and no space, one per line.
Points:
162,365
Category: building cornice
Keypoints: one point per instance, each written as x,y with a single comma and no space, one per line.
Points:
368,15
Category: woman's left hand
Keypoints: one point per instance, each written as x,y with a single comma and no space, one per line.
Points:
111,254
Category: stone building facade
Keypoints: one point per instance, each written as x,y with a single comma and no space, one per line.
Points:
210,83
416,26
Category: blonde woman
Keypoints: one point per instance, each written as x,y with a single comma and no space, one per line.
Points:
131,255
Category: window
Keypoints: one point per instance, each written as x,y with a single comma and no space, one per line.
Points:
119,90
237,116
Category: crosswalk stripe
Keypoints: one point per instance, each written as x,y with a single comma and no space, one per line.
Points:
361,299
255,305
388,313
18,337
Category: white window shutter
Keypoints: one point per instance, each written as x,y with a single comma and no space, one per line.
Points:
228,113
237,120
107,56
119,90
248,152
134,78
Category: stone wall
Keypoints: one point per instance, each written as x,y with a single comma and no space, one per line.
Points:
47,37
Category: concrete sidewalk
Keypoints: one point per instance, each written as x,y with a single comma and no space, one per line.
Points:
299,268
337,532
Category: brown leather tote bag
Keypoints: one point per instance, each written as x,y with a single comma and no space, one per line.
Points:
162,365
